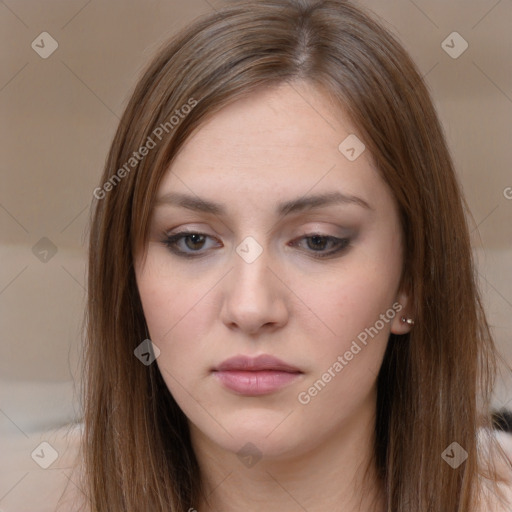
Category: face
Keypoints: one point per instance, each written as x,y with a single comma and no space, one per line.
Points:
270,246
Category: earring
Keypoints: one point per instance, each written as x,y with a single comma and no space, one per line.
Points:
409,321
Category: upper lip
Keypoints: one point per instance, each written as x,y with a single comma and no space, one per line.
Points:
254,364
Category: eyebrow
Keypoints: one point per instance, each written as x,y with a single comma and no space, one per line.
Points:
293,206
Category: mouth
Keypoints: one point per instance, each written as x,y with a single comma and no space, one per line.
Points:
250,376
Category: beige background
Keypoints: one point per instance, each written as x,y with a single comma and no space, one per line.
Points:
58,116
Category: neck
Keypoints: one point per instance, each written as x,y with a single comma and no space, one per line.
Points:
337,474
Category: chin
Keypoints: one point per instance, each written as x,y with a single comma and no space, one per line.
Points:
264,433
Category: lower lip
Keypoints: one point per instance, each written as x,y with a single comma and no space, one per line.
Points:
255,383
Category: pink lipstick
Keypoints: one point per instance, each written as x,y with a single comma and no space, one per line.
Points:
255,376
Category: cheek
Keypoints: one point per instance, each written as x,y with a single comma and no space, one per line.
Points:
346,363
174,308
166,295
158,301
355,305
351,298
178,326
357,339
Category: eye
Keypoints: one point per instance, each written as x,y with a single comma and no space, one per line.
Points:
189,244
318,243
191,240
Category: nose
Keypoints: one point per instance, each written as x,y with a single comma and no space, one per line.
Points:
254,297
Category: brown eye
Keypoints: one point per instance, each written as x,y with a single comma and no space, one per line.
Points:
186,244
196,241
318,243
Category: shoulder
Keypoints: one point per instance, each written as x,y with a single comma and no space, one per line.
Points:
71,496
495,456
495,498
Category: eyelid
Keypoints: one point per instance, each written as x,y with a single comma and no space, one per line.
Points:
344,242
313,232
316,229
341,244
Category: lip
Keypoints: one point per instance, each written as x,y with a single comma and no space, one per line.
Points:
255,376
254,364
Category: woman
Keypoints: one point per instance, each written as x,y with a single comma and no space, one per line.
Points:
280,216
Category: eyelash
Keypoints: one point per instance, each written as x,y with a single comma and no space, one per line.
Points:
171,242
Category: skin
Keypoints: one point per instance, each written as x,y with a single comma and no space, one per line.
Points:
270,147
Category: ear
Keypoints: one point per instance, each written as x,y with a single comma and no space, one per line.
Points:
397,325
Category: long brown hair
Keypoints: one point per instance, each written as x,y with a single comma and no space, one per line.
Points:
435,383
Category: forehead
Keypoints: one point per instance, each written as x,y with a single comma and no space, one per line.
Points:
278,142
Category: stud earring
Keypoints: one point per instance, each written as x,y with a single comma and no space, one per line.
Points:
409,321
